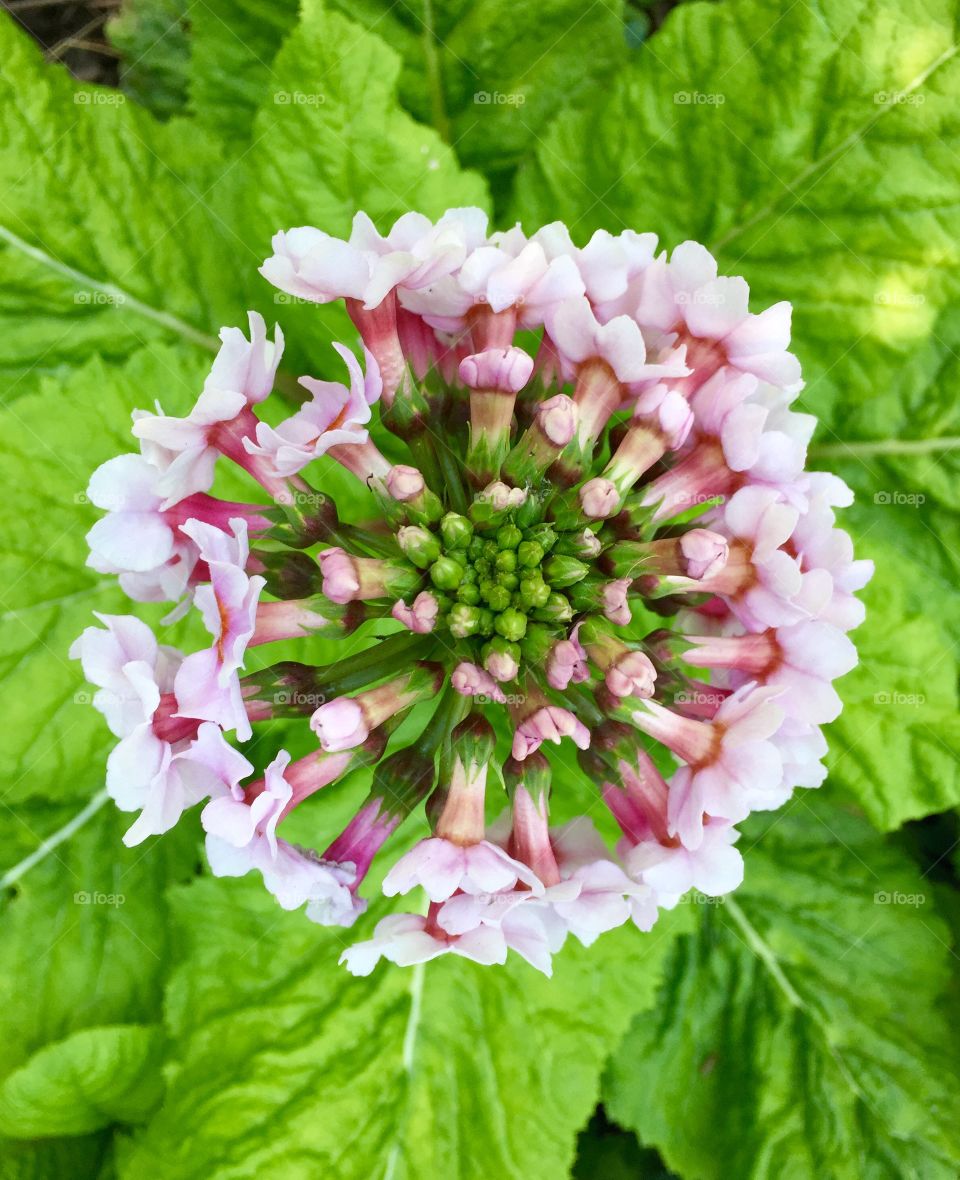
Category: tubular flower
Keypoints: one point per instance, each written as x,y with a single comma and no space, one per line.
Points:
607,537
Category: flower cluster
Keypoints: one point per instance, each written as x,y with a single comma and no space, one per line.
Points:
593,522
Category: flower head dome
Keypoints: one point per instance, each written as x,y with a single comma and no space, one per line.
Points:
593,520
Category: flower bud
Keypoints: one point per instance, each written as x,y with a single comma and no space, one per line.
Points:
404,483
562,571
511,624
704,553
419,545
557,419
599,498
506,370
456,530
446,574
633,674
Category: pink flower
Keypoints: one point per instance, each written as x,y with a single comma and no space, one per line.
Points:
579,336
336,416
506,370
308,263
608,264
685,296
421,618
242,836
725,757
631,675
186,449
567,663
548,724
801,660
670,870
159,767
557,418
405,939
404,483
472,681
599,498
615,605
207,685
340,724
443,868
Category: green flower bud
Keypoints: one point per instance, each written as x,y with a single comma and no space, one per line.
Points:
497,597
457,531
507,561
511,581
509,536
464,620
487,620
556,609
419,545
534,592
530,554
562,571
446,574
468,593
475,548
511,624
544,534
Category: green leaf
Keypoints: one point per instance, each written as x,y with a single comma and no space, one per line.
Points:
799,1032
197,222
84,938
153,38
896,746
445,1069
341,143
52,1159
233,45
93,1078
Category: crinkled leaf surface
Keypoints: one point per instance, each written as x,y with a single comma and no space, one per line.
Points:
800,1032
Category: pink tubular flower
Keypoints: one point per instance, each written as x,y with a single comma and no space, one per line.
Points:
724,757
406,939
207,685
421,618
186,449
336,415
160,766
581,497
549,723
242,836
685,296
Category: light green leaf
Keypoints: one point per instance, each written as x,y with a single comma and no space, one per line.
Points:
182,259
52,1159
233,45
98,1076
798,1034
447,1069
153,37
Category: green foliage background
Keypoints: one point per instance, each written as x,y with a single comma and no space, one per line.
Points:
188,1028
